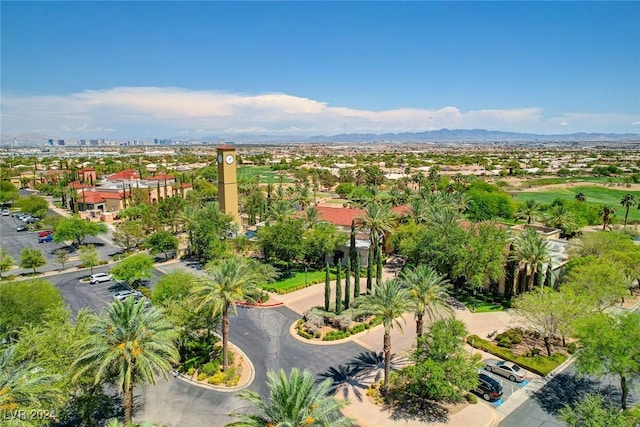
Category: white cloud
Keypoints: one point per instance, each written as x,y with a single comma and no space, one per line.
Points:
123,111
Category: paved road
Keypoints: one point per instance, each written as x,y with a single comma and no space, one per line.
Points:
542,408
263,334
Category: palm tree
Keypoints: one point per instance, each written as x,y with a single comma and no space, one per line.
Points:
606,212
417,210
533,250
529,211
280,210
311,217
389,301
232,280
129,343
24,387
293,402
560,216
429,294
581,197
378,220
627,201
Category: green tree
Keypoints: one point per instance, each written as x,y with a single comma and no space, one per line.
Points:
77,230
129,234
606,212
529,211
443,369
339,302
133,268
356,277
562,217
162,241
609,345
320,242
592,410
24,387
601,280
327,288
8,191
378,256
32,258
293,401
24,303
281,241
34,205
130,344
531,249
377,221
207,230
370,270
62,256
6,262
428,291
174,286
627,201
89,257
347,284
232,280
541,309
389,301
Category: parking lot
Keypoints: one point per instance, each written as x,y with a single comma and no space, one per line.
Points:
14,241
508,387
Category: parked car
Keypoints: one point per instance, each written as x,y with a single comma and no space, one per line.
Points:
488,388
44,233
5,212
99,277
506,369
22,228
45,239
16,214
122,295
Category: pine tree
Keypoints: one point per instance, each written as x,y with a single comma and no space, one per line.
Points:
347,284
338,287
356,278
327,288
370,271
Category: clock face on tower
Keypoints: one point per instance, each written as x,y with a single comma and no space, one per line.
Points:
229,159
219,158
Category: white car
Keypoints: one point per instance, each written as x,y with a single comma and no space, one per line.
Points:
99,277
5,212
506,369
122,295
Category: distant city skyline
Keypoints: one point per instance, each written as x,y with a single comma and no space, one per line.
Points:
125,70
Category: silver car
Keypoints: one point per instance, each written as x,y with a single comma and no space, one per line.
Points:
506,369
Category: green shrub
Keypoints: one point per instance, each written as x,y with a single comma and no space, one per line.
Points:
572,347
210,368
202,376
335,335
357,329
304,334
181,368
540,365
471,398
229,374
217,378
191,371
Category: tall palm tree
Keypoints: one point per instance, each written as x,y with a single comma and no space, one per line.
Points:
529,211
311,217
533,250
606,212
389,301
428,292
280,210
129,343
24,387
627,201
560,216
417,210
378,220
294,401
232,280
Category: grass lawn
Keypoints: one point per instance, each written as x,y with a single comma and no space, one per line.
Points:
595,196
298,280
536,182
478,304
248,173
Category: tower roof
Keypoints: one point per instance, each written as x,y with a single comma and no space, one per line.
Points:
225,147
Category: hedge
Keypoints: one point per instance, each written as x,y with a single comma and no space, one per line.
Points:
540,365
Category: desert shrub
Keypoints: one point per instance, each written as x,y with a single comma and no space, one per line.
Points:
191,371
217,378
509,337
202,376
314,319
342,322
471,398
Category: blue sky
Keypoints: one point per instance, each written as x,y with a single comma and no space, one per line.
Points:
169,69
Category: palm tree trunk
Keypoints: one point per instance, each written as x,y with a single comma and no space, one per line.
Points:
419,325
387,360
225,335
626,215
128,403
625,391
532,278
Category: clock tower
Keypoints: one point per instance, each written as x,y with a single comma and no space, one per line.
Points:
227,182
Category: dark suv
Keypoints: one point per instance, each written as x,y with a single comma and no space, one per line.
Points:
488,388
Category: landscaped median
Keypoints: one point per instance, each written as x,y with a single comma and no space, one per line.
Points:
541,365
297,280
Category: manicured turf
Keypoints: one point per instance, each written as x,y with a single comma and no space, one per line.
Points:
478,305
536,182
297,281
248,173
597,196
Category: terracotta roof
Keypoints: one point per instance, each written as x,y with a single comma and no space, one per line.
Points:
125,174
90,197
225,147
161,177
185,185
87,170
77,185
344,216
109,195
